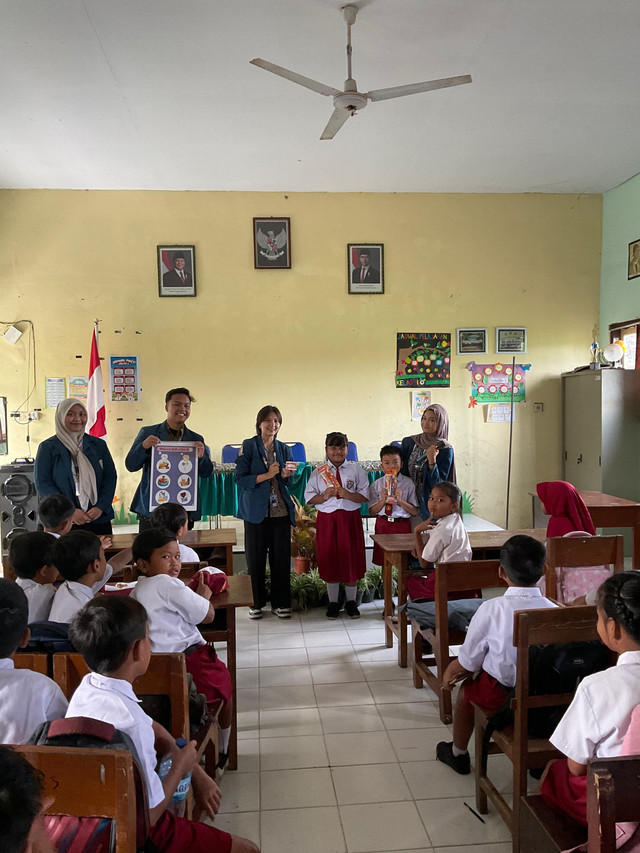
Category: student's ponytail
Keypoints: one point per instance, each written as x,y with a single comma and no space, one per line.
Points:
619,597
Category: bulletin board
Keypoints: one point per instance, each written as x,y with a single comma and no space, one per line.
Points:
423,360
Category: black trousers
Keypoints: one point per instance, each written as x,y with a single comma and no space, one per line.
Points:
273,537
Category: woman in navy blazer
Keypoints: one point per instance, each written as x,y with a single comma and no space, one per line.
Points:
78,465
262,469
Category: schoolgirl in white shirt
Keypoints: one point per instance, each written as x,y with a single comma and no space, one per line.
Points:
338,489
599,718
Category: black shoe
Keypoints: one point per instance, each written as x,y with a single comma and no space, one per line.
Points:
333,610
351,609
223,758
460,763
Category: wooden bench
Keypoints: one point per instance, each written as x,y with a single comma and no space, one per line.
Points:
450,577
531,628
89,783
613,794
581,551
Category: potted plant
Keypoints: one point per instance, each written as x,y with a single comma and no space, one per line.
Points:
366,590
304,593
303,538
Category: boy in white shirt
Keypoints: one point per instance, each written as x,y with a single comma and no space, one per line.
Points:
173,612
56,515
30,559
112,634
27,698
174,517
79,557
488,652
393,511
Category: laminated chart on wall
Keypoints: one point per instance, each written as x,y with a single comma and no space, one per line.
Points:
423,360
491,383
124,378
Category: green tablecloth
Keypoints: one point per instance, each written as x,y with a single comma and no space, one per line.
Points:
219,494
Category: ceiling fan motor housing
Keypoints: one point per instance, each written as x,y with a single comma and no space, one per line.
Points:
350,99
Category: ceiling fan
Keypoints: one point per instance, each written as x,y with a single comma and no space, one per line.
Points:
348,103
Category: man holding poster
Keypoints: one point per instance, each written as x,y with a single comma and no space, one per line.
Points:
178,408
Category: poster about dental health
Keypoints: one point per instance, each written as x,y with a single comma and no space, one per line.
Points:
174,475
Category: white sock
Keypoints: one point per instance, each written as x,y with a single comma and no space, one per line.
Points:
351,592
457,752
224,736
333,590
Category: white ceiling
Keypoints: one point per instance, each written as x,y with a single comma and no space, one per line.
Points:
159,94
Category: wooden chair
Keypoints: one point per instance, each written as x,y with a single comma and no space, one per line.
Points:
89,783
450,577
581,551
613,793
531,628
35,661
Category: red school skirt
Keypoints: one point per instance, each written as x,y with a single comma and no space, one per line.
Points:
340,546
383,525
209,673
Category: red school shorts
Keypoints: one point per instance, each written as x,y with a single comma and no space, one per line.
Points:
173,834
209,673
486,691
383,525
564,792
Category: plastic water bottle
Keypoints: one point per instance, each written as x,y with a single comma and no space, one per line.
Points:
182,791
179,801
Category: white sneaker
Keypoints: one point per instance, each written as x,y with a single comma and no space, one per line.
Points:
255,613
282,612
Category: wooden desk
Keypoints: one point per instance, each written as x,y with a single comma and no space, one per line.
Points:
605,511
238,594
609,511
221,540
398,546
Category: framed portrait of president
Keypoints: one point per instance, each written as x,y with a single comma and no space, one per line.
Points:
365,267
177,270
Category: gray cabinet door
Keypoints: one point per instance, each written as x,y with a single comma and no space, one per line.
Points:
583,430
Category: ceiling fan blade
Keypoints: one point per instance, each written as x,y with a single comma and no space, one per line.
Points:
414,88
307,82
338,118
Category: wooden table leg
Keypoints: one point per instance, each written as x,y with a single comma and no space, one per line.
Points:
387,582
231,666
402,564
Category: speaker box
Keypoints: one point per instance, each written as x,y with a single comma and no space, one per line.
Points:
18,501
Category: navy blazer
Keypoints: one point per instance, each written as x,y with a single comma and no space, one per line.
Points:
253,498
430,477
138,457
54,476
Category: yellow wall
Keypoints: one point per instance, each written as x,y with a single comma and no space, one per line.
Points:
295,338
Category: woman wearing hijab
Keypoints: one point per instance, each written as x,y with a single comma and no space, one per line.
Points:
78,465
428,457
568,511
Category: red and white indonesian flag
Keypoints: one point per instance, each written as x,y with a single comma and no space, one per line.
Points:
95,396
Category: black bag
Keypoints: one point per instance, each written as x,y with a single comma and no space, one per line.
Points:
49,637
555,668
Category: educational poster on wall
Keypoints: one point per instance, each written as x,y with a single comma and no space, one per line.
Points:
491,383
124,378
55,391
423,359
79,388
420,400
174,475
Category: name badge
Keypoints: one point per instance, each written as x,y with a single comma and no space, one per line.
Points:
351,485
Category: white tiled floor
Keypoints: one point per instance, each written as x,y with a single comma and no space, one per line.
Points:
337,747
